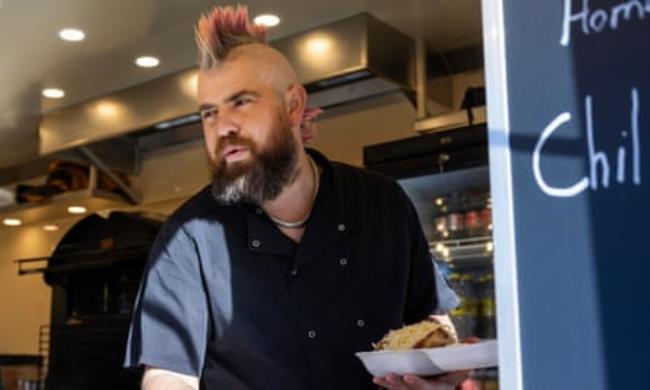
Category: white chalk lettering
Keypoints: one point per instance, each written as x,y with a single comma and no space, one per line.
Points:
627,8
598,160
566,192
595,158
598,20
620,172
636,143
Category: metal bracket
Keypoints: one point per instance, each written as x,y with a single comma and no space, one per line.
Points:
131,195
120,154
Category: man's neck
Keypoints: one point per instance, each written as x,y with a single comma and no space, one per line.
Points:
296,200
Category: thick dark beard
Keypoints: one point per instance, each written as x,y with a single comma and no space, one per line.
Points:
262,178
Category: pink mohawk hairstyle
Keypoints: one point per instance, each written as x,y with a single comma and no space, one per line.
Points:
223,29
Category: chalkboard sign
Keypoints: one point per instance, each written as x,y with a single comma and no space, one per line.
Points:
569,109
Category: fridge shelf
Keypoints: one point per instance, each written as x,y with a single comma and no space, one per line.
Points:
464,250
449,205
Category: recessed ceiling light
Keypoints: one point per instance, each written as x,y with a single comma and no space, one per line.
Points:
72,35
50,228
53,93
77,209
12,222
147,62
267,20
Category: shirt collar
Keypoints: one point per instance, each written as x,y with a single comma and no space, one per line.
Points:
328,223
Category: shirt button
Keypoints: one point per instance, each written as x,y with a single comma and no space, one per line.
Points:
361,323
256,243
259,210
343,261
341,227
311,334
294,272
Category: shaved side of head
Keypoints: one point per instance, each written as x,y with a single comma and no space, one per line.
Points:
271,65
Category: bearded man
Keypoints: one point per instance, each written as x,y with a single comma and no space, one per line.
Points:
287,264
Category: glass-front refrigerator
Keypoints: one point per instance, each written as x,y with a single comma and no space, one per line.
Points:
446,176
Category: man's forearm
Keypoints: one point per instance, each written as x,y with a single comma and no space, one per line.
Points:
159,379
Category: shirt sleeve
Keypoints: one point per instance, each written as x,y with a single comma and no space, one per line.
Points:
169,325
447,298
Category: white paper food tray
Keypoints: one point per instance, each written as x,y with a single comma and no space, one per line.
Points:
431,361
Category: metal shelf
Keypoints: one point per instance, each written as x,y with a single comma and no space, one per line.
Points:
56,207
477,250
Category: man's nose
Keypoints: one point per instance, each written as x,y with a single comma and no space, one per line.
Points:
226,125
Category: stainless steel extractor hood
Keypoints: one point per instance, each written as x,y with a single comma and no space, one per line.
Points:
350,50
349,59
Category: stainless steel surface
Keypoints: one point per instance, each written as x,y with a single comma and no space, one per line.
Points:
56,208
457,60
120,154
156,139
352,92
19,142
25,171
421,78
331,54
450,120
119,113
327,51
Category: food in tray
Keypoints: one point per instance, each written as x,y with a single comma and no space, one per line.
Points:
429,333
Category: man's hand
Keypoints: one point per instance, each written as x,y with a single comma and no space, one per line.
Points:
413,382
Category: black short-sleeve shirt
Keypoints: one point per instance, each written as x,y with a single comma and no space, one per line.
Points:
227,297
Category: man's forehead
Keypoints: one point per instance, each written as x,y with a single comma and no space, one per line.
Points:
218,83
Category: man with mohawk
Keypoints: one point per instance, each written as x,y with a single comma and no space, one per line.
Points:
288,263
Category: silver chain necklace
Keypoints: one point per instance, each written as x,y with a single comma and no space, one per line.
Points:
301,223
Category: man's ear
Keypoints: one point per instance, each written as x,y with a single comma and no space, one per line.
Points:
295,99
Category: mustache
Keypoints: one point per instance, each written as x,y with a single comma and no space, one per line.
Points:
233,139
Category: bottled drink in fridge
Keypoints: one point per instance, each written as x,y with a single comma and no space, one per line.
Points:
488,307
465,316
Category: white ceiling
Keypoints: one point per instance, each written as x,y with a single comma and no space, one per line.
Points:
33,57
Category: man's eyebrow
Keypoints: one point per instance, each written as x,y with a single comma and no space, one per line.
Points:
206,106
239,94
233,97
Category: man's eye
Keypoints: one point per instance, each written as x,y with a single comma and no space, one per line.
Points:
207,114
241,101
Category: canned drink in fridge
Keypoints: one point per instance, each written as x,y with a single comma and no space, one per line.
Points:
485,218
472,223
